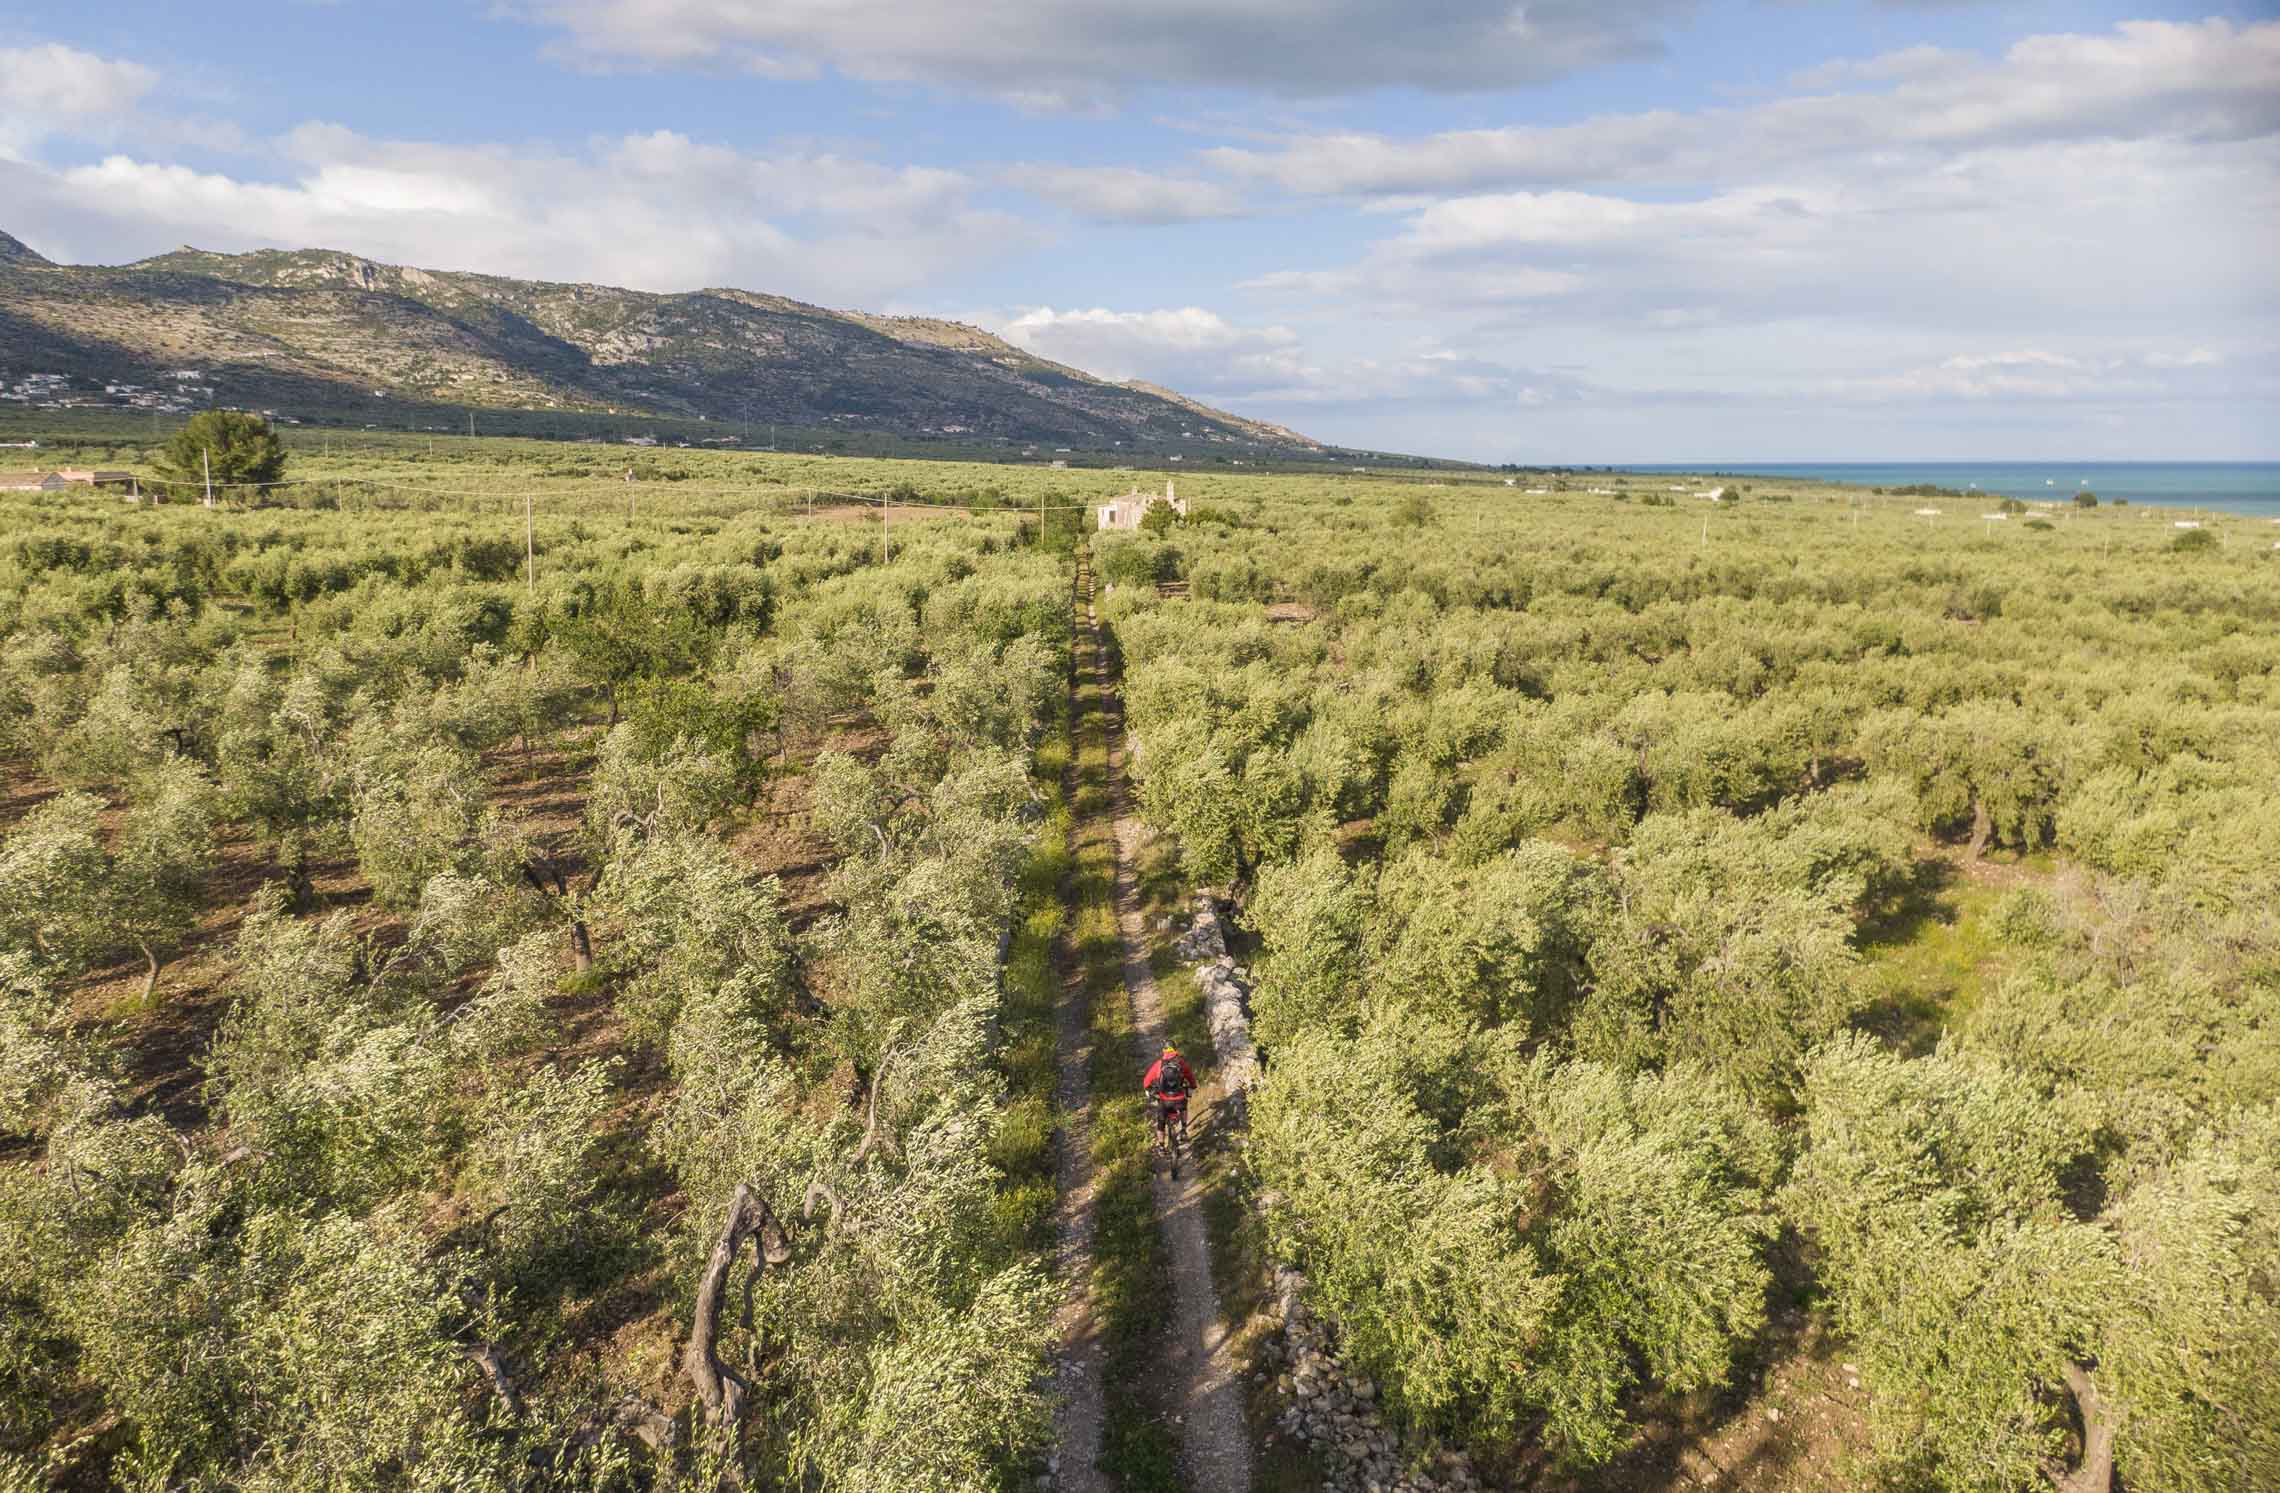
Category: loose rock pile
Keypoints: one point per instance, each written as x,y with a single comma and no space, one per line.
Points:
1206,937
1336,1412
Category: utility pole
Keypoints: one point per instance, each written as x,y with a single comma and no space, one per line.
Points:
530,543
206,461
882,531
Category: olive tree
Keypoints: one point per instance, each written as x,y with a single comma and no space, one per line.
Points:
2014,1332
1615,1240
1731,946
68,894
330,1062
415,815
281,770
1984,766
1502,943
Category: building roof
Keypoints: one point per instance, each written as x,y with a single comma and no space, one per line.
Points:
21,481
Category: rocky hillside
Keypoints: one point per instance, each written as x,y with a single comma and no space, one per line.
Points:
318,332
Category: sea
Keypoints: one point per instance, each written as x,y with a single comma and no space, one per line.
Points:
2250,488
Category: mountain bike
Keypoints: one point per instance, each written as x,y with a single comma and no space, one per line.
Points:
1171,1129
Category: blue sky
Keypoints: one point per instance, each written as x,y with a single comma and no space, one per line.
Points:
1576,230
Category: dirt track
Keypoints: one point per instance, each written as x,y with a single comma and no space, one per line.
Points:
1078,1411
1214,1437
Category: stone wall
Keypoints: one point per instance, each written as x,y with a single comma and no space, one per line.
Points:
1226,998
1335,1411
1331,1409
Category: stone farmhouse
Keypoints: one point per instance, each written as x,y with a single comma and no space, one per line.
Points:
1127,511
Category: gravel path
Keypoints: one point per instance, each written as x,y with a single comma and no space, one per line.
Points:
1214,1438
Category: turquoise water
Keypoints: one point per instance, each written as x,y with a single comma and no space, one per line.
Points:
2245,487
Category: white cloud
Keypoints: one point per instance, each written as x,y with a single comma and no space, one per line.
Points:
2209,80
1611,147
1072,51
654,211
2111,186
1387,278
2023,372
1123,194
1430,377
1188,347
1258,366
1906,64
2042,374
54,89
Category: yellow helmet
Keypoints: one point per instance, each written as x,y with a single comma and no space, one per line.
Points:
1170,1051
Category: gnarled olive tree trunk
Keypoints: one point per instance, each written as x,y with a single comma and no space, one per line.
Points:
749,1217
2095,1472
545,873
1981,826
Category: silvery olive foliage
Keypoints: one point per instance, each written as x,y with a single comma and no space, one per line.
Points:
482,984
1979,1294
76,892
1620,1233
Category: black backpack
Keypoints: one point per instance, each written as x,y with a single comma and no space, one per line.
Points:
1172,1079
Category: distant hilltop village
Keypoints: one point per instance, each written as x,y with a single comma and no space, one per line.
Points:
183,390
179,392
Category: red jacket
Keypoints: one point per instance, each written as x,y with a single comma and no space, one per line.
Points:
1178,1066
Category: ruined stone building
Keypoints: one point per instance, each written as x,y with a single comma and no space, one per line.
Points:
1127,511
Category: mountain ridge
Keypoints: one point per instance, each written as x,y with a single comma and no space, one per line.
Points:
321,331
15,250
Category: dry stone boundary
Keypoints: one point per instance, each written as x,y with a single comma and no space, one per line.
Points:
1226,999
1326,1404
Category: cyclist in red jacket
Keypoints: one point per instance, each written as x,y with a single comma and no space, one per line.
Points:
1169,1082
